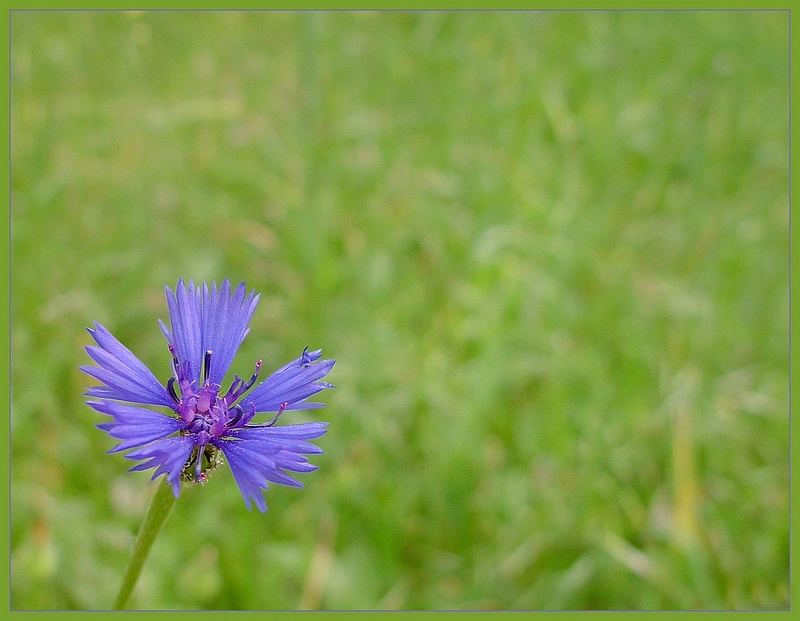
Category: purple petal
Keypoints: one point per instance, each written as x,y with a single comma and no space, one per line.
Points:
184,314
224,320
169,454
304,405
294,397
305,358
279,435
290,385
259,454
134,425
126,378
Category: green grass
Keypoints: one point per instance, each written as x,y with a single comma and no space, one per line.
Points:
548,251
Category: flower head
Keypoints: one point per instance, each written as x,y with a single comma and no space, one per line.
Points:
204,422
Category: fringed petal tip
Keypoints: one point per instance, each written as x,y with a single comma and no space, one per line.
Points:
168,456
291,384
122,375
261,455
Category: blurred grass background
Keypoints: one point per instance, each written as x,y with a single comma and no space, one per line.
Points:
548,250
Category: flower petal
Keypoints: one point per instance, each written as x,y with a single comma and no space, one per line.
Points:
259,454
290,384
169,454
134,425
280,435
126,378
224,320
184,314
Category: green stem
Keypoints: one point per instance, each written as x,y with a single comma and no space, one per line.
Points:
157,513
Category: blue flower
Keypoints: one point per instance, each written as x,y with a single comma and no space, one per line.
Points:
204,423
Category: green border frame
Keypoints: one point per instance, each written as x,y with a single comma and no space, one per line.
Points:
5,306
5,258
408,5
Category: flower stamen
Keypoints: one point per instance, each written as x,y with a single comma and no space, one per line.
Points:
207,365
275,418
239,387
251,381
175,363
171,389
237,414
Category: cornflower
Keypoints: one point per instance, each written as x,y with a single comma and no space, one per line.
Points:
204,423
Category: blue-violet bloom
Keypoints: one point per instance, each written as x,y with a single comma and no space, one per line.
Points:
207,327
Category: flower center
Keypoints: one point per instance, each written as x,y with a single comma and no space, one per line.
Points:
202,409
206,414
